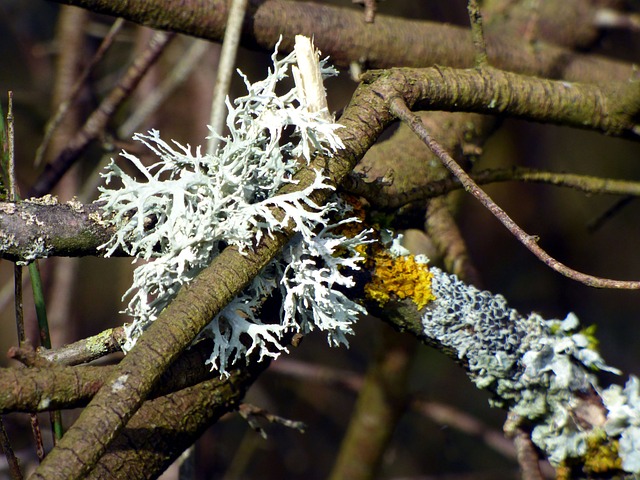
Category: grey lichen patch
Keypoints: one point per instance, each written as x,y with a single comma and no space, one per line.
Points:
7,242
75,205
8,208
37,248
100,218
30,218
540,370
47,199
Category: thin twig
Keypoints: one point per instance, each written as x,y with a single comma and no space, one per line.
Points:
11,167
225,70
64,107
13,195
150,103
400,109
12,460
88,349
477,32
375,193
251,414
96,122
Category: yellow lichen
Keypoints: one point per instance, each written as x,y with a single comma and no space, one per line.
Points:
401,277
602,454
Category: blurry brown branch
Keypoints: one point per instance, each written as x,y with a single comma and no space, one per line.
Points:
95,124
382,401
440,413
343,35
63,108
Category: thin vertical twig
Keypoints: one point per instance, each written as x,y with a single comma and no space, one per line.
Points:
12,460
13,195
17,270
225,70
400,110
477,33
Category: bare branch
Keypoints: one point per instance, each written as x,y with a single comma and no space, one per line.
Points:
96,122
386,198
608,109
346,38
400,109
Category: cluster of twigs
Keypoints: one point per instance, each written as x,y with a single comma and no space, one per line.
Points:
93,446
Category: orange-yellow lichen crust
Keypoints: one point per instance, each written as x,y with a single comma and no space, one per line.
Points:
401,277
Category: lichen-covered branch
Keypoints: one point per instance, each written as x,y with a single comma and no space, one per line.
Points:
38,228
207,294
540,370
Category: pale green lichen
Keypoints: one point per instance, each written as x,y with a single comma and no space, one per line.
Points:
541,370
190,205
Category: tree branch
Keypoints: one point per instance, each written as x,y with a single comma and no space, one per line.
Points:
608,109
402,111
41,227
340,33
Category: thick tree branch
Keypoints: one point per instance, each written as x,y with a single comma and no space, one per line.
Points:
179,419
610,110
341,33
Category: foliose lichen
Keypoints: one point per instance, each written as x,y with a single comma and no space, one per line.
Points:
189,205
541,370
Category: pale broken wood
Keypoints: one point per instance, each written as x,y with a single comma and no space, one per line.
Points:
308,78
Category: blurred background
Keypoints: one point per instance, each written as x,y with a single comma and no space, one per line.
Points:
84,295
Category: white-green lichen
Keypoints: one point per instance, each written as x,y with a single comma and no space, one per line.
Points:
541,370
187,206
623,421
